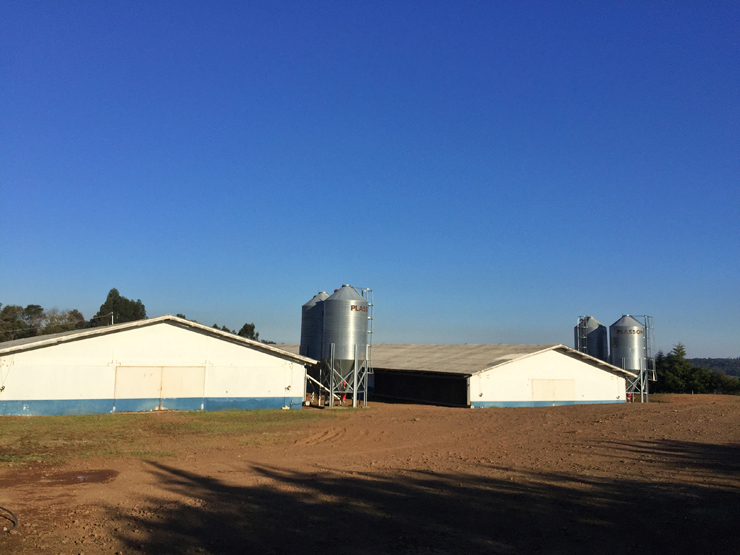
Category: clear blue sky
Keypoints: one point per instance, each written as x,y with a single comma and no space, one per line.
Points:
491,169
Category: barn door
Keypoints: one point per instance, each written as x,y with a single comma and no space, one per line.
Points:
553,390
138,388
183,387
142,388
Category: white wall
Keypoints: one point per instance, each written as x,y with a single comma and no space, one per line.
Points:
234,369
86,368
547,378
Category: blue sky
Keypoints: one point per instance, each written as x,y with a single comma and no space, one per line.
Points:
491,169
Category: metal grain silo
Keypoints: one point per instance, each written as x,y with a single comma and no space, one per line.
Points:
312,326
345,326
591,338
628,345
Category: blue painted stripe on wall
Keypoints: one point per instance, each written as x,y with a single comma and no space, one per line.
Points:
505,404
185,403
56,407
251,403
49,407
136,405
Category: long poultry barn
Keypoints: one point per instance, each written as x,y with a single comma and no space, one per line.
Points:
155,364
483,376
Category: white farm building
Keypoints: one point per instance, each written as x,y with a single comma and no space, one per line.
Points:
155,364
482,376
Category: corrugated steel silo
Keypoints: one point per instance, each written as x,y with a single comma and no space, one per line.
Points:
312,326
591,338
628,345
345,325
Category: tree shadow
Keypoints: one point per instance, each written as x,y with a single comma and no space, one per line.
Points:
420,512
715,460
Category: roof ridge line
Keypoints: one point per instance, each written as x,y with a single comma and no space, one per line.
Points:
104,330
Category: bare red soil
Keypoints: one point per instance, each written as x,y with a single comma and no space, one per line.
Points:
655,478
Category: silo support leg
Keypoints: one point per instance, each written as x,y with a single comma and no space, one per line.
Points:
354,380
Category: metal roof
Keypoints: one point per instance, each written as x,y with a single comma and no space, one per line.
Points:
41,341
456,359
35,338
318,297
627,321
465,359
346,293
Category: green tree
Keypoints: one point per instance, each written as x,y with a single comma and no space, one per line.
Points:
677,374
700,380
76,316
56,321
17,322
13,324
248,331
722,383
673,371
123,309
729,366
33,315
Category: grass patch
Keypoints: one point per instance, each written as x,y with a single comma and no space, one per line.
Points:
56,439
25,459
151,454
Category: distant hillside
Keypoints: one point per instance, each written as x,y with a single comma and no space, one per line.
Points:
730,366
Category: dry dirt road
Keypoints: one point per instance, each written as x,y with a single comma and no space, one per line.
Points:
657,478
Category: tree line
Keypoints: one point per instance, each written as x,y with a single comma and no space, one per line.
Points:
17,322
730,366
677,374
247,331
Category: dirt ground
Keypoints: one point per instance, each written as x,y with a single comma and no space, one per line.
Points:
662,477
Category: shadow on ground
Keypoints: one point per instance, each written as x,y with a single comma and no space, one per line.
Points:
706,459
427,513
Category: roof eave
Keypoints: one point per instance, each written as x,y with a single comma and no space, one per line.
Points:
527,355
104,330
606,366
238,339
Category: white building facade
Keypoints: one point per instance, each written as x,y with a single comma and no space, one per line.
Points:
546,379
164,363
484,376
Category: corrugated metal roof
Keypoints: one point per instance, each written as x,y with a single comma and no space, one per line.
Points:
346,293
36,338
464,359
40,341
627,321
457,359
